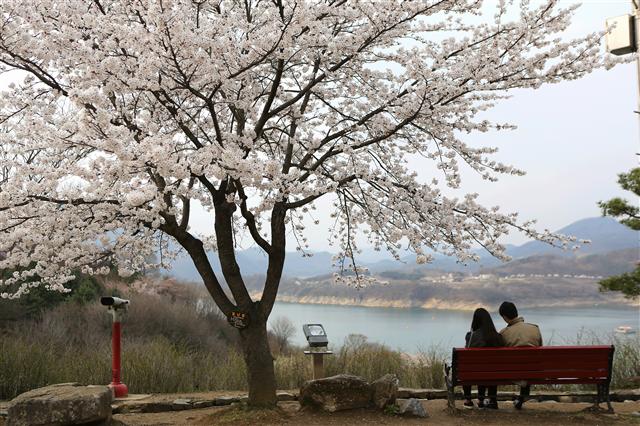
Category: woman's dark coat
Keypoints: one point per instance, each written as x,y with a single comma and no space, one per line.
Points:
477,339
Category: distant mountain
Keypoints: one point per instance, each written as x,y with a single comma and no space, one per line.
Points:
606,234
439,262
600,264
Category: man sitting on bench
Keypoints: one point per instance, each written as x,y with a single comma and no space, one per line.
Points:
518,333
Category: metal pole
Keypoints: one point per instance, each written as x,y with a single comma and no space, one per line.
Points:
119,389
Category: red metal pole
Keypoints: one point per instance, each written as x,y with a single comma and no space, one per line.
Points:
119,389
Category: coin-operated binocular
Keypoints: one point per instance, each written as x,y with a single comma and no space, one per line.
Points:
117,307
317,338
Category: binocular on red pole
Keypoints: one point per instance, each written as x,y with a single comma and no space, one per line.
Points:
117,307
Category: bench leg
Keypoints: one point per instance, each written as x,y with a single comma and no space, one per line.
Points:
605,388
602,395
451,395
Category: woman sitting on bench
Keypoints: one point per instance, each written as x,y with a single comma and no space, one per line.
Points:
483,334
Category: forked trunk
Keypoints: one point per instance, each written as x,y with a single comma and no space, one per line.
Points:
257,356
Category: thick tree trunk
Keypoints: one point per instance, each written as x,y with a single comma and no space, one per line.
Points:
257,355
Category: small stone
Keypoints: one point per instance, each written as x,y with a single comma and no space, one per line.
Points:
635,414
411,408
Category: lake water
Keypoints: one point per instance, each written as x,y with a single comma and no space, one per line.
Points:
411,329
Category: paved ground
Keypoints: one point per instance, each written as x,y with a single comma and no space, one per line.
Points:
289,413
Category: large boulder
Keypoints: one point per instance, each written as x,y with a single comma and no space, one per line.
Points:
385,390
63,404
341,392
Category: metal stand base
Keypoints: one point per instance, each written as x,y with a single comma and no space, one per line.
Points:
120,390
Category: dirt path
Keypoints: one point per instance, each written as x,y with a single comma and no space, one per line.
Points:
289,413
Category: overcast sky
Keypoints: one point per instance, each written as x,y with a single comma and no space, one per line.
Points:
573,138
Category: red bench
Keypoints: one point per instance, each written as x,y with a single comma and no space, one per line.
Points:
533,365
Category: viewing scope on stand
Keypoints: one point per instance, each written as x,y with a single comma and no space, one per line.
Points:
318,342
117,307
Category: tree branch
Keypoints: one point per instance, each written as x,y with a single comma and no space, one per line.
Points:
250,219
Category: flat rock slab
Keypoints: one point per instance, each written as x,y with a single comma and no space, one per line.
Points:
165,403
406,393
64,404
133,397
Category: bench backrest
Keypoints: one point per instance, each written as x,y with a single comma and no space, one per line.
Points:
546,364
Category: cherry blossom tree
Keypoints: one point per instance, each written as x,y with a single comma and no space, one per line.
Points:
131,112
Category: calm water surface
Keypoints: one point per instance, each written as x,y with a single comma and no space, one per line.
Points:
411,329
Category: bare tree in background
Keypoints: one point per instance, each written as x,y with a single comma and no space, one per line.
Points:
283,330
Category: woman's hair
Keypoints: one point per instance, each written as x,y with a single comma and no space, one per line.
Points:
482,321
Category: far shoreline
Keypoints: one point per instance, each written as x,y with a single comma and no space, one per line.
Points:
458,306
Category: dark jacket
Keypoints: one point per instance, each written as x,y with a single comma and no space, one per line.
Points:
477,339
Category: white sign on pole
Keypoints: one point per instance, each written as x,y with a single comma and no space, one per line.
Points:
620,40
